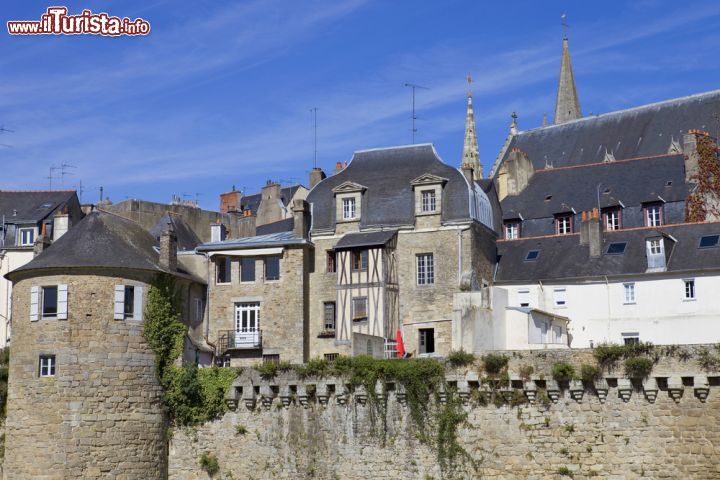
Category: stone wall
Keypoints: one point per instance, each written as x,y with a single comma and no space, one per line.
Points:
101,415
667,426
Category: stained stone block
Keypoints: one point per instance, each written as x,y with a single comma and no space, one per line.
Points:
650,389
702,387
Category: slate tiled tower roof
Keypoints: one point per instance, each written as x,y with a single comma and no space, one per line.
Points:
471,154
567,105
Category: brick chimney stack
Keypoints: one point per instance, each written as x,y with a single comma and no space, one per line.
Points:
42,241
591,232
301,218
168,248
231,201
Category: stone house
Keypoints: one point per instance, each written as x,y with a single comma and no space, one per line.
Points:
83,398
24,215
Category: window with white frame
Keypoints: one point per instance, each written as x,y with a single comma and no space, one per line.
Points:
49,302
653,215
559,297
46,366
26,237
425,269
512,230
523,297
655,246
689,289
428,201
348,208
612,219
128,302
629,293
563,224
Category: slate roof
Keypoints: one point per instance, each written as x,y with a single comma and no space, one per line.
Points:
636,132
388,200
187,239
260,241
365,239
562,256
252,202
631,182
32,206
100,240
284,225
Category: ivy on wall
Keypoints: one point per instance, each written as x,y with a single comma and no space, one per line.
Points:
697,206
191,395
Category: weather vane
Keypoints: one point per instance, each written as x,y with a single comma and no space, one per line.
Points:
565,25
469,81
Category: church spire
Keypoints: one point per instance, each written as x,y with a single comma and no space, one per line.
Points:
567,105
471,154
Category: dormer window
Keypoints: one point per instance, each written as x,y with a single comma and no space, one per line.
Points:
26,237
611,219
428,201
655,254
348,208
653,214
655,246
512,229
563,224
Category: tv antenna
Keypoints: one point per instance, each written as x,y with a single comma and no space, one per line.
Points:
80,189
314,111
53,169
5,130
414,117
63,172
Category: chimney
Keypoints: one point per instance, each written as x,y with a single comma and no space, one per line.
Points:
270,209
61,224
301,218
230,201
168,248
42,242
591,232
218,232
338,167
467,170
316,176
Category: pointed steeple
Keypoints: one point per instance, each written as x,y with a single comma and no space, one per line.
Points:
471,153
545,120
567,105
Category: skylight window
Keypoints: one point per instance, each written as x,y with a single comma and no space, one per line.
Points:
709,241
617,248
532,255
548,198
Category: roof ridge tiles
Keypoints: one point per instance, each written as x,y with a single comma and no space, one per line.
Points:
37,191
611,231
624,160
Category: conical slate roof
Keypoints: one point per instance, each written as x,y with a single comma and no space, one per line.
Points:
100,240
567,105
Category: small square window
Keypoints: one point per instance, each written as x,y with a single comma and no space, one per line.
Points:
272,268
223,270
512,230
49,301
247,269
271,358
427,340
611,218
689,289
331,259
560,298
331,357
26,237
523,297
348,208
46,367
428,201
653,215
360,260
532,255
631,339
329,314
563,224
359,307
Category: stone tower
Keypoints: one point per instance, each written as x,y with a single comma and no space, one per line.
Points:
567,105
84,400
471,153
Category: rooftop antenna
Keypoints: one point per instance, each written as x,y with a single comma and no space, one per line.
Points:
414,117
63,167
80,189
314,110
53,168
4,130
565,25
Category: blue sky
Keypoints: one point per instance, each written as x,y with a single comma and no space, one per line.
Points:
219,94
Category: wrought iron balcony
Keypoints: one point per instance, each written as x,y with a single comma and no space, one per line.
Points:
232,340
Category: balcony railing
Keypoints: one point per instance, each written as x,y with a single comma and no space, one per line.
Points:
232,340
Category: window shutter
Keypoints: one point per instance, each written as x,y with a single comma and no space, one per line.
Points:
34,303
119,302
62,305
139,307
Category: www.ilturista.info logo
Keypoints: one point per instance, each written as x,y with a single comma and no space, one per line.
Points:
56,21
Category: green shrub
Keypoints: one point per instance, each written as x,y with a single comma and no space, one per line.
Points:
267,370
563,372
241,430
460,358
526,372
608,353
316,367
589,373
638,367
494,363
565,472
708,361
209,463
